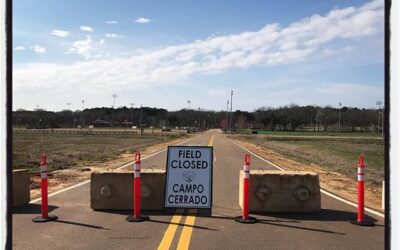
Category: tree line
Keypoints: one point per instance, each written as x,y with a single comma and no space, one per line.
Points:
287,118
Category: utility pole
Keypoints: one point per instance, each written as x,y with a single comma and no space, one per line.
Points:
227,114
83,103
141,117
340,108
230,122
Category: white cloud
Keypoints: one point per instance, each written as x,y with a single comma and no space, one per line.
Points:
114,36
86,28
111,22
143,20
270,45
60,33
19,48
102,41
86,49
38,49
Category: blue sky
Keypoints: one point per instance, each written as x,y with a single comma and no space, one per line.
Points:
163,53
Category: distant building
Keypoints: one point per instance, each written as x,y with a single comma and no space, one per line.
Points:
101,123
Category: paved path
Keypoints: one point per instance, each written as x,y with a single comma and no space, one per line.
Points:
79,227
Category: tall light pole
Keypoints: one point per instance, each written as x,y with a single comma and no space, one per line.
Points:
68,103
114,96
188,101
37,115
227,113
379,103
340,108
82,121
230,122
132,104
141,117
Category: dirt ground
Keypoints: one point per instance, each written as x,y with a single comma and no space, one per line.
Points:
60,179
333,182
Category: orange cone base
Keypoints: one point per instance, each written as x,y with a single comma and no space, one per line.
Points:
363,223
41,219
250,220
130,218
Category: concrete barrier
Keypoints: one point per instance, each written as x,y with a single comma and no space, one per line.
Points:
282,191
114,190
21,194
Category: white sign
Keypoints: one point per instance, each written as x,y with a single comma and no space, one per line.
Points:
189,177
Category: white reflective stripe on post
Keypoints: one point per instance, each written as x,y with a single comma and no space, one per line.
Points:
43,175
360,174
137,170
43,171
246,175
246,167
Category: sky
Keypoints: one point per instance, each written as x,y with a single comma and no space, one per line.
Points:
164,53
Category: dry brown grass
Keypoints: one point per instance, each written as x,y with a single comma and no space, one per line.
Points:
330,180
66,151
60,179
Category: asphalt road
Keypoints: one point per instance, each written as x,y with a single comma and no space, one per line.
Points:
79,227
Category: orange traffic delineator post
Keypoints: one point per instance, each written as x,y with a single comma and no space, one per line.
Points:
361,221
245,218
44,207
137,217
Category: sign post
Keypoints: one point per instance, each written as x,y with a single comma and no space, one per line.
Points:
189,177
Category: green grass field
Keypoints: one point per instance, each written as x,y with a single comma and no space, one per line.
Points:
335,154
312,133
65,151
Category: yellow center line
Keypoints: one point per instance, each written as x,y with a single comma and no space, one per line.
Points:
186,234
187,230
210,143
184,241
169,234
